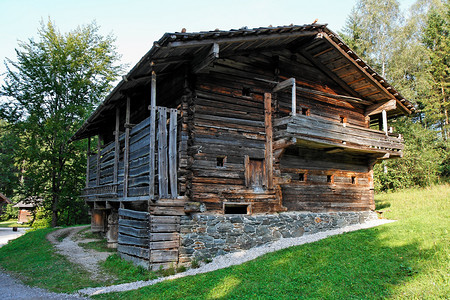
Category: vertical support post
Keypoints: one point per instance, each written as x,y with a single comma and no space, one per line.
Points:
162,153
152,145
247,170
385,125
126,157
88,162
116,147
172,153
269,139
99,154
294,97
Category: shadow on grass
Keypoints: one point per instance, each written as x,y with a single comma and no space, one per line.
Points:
358,265
381,204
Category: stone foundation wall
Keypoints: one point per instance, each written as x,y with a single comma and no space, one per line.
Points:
206,236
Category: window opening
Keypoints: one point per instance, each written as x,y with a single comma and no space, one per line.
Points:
343,119
305,111
241,209
301,176
246,92
353,180
220,160
329,178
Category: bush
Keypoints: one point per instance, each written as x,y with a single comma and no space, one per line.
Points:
9,212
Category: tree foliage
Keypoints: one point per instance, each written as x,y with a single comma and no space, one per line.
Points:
412,52
50,89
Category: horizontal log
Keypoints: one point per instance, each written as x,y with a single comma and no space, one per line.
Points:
164,256
164,245
134,251
134,223
164,227
140,215
129,240
164,219
136,260
157,237
135,232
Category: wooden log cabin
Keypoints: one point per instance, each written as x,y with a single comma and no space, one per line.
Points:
214,135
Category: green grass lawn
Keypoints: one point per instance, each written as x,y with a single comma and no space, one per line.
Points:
12,223
408,259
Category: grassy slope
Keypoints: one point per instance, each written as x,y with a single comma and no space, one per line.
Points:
406,259
12,223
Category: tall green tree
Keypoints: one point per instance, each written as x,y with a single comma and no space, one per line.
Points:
51,87
371,29
9,173
437,42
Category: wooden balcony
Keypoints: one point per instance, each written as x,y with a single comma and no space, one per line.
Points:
318,132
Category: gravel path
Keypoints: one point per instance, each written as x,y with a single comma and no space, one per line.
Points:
69,247
235,258
12,289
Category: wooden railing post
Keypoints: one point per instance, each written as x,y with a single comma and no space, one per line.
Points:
126,157
269,139
384,117
151,176
116,147
162,153
88,162
173,153
99,153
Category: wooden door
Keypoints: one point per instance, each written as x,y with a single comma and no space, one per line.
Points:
255,173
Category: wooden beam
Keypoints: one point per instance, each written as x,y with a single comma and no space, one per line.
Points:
363,71
288,83
211,56
379,107
241,39
329,73
126,157
173,153
116,146
162,153
385,124
99,153
269,139
88,165
340,97
152,144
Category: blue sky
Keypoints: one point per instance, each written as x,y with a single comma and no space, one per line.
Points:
137,23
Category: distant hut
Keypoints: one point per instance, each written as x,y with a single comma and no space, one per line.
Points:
26,209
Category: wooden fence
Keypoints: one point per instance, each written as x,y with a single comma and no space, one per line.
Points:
142,163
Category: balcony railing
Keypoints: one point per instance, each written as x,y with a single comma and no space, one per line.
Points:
341,135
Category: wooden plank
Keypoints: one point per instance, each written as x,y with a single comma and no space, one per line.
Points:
133,223
135,232
172,153
202,63
269,139
140,215
126,158
136,260
97,174
164,219
152,145
134,251
164,227
164,256
88,162
247,170
155,237
164,245
162,153
379,107
168,210
116,146
129,240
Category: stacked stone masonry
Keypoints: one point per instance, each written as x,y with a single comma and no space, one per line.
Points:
206,236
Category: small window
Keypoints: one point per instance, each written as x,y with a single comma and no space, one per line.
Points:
305,111
343,119
220,160
234,208
246,92
301,176
353,180
329,178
